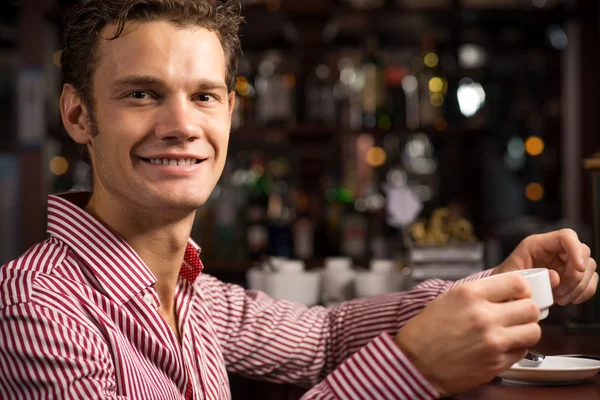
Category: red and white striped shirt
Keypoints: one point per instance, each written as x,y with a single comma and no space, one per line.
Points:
79,320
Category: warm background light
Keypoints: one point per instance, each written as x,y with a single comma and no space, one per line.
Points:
534,191
59,165
376,156
436,84
437,99
534,146
431,60
440,124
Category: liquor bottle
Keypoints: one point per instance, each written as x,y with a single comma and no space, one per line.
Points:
395,74
244,112
303,228
354,233
226,219
275,86
335,198
374,101
320,101
432,86
257,233
279,218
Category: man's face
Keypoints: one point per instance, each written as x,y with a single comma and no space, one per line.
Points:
163,115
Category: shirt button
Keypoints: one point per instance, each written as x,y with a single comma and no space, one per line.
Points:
149,299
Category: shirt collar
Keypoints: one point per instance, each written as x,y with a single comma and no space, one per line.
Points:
118,268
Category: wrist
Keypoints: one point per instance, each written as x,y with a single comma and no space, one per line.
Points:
407,342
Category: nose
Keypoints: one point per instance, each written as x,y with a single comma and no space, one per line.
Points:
178,120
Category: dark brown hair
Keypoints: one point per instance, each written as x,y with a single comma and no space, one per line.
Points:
82,33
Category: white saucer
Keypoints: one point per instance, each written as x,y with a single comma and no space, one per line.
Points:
554,370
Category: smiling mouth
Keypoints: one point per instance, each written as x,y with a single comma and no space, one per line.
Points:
174,162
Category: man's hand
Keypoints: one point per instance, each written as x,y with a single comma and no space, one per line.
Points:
572,271
470,334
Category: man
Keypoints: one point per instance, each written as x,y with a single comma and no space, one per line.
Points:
114,305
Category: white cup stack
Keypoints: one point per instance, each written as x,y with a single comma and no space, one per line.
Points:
382,277
286,279
338,280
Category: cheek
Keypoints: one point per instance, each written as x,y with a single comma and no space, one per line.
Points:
218,134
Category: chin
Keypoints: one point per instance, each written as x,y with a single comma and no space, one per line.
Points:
183,202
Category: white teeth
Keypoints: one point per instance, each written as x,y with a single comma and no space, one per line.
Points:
173,162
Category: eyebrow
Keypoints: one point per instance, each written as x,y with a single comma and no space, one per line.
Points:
151,80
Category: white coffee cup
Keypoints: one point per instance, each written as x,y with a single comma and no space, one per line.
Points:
298,287
338,280
541,290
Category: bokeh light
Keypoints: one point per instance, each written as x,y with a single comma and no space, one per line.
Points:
376,156
59,166
534,191
534,146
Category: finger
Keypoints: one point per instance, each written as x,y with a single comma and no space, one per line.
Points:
589,291
585,251
522,336
554,278
503,287
514,356
581,286
571,280
564,241
517,312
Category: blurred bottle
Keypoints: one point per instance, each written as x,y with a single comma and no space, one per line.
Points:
348,93
397,100
244,110
275,87
304,228
280,210
227,242
257,232
374,96
335,200
320,102
432,86
354,233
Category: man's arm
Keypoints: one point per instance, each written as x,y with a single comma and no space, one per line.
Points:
46,355
285,342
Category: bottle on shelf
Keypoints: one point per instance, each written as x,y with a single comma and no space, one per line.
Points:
245,94
354,233
257,232
432,85
320,100
280,210
275,87
303,228
227,240
374,95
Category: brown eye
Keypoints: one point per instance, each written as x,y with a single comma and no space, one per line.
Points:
205,97
138,95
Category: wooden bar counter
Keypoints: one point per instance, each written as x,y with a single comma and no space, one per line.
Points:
555,341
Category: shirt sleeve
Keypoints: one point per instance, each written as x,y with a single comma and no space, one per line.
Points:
46,355
280,341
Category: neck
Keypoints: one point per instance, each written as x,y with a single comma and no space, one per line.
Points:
159,238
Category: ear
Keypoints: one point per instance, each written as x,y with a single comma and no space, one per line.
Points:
231,103
74,115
